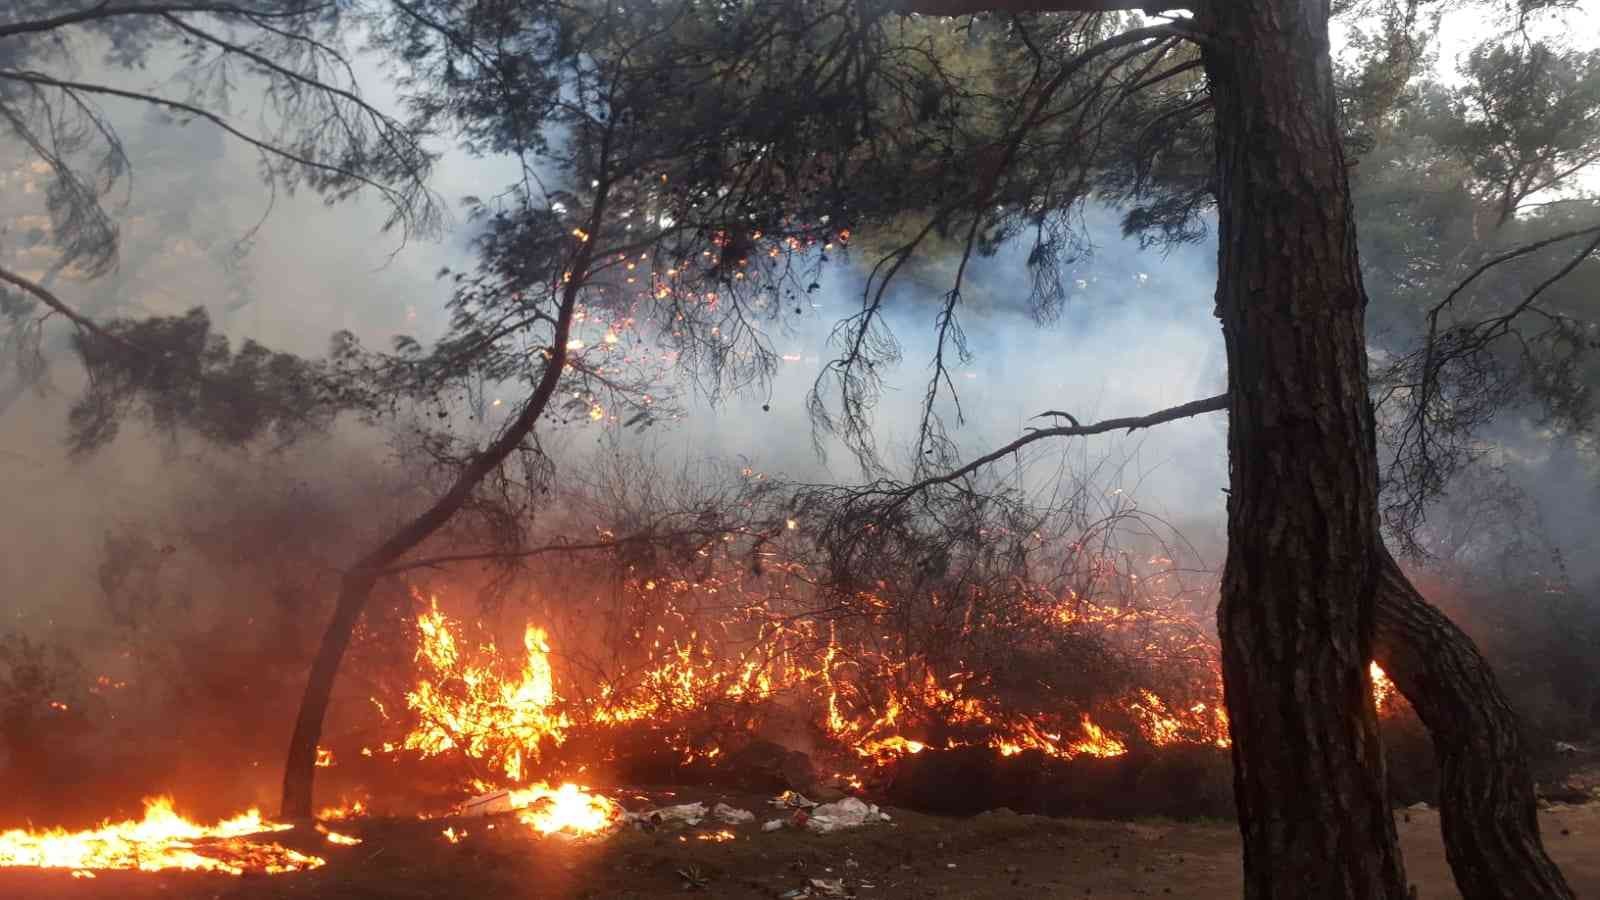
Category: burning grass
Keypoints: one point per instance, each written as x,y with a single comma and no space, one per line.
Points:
163,839
503,715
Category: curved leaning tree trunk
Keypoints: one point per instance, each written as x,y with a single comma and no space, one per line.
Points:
1487,806
356,587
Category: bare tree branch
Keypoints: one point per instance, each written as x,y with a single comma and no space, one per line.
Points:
1128,423
107,10
48,298
1024,7
645,537
395,197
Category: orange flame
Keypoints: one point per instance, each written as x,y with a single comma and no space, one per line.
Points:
469,706
1383,689
161,840
569,809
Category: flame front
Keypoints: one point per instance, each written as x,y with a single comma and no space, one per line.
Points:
470,705
161,840
508,716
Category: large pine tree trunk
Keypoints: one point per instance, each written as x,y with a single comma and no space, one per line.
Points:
1486,800
1303,549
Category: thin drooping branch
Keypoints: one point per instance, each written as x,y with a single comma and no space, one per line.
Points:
858,391
395,197
106,10
48,298
1446,346
1509,255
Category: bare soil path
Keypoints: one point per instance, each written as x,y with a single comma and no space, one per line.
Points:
991,856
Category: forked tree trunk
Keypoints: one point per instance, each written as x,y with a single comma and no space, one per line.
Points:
1299,582
1486,802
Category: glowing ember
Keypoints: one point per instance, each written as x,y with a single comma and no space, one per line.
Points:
334,837
324,757
454,836
162,840
351,810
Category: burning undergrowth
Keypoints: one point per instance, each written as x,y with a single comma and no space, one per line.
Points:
760,676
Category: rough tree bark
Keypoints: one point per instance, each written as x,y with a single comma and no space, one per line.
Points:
1302,568
356,586
1487,807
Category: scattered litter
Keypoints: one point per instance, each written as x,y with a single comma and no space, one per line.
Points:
732,815
774,825
686,813
847,813
818,887
1419,807
488,804
792,800
1565,748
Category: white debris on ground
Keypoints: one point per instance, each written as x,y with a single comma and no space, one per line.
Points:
488,804
824,818
732,815
818,887
686,813
847,813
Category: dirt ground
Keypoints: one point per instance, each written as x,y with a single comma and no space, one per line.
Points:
993,855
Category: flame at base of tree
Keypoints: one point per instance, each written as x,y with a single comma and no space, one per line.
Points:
161,840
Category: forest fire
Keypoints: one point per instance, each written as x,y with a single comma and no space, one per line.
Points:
161,840
508,715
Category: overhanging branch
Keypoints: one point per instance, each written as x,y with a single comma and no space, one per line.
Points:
103,11
1127,423
48,298
559,547
1024,7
